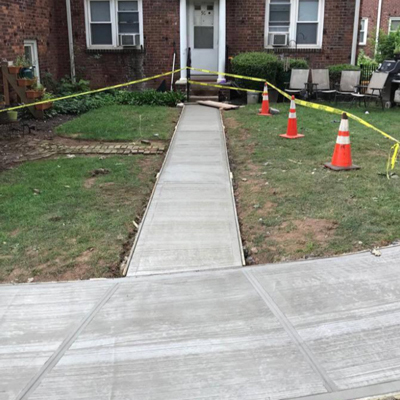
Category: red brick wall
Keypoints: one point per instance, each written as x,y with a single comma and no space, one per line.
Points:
161,30
34,19
245,32
37,19
369,9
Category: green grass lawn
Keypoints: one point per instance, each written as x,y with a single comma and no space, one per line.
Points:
290,206
118,122
59,223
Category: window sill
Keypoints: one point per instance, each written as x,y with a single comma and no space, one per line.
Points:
293,49
114,50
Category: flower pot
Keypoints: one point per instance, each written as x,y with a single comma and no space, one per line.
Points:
34,94
44,106
25,82
13,70
12,115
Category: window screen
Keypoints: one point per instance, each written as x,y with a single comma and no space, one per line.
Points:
128,17
394,25
100,23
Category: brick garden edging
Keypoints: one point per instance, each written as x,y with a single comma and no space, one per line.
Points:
46,150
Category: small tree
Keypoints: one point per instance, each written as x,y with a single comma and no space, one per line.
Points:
388,45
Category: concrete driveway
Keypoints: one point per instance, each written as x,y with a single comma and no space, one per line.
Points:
320,330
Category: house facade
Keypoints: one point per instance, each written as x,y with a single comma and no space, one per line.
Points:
112,41
377,15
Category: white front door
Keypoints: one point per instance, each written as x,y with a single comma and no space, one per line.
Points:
203,34
31,53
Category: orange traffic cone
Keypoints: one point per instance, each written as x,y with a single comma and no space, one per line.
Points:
291,132
341,160
265,103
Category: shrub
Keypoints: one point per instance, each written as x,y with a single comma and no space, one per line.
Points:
258,65
335,71
363,59
80,105
388,45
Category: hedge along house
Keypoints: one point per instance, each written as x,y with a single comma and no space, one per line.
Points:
112,41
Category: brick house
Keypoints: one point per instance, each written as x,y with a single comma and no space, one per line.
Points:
377,15
112,41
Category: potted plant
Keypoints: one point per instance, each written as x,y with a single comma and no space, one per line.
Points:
37,90
12,116
26,82
19,63
45,106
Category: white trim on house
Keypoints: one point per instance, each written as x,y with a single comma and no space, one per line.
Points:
392,19
32,44
114,25
364,31
294,12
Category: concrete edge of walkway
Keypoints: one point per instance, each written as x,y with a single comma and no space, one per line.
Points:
232,189
253,268
128,262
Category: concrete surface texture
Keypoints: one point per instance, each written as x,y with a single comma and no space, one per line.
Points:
316,330
191,221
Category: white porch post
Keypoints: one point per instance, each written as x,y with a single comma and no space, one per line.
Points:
222,40
183,39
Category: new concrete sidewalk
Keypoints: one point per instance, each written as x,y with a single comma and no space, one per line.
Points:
315,330
191,221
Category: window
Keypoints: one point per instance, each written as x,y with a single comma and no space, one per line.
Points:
301,21
31,54
394,24
114,23
363,31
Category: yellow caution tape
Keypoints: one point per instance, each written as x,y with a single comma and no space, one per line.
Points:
92,91
394,150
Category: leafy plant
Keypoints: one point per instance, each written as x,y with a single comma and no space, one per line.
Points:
388,45
363,59
38,86
258,65
22,61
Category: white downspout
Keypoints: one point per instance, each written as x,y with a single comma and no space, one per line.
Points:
355,32
222,40
70,40
184,41
378,25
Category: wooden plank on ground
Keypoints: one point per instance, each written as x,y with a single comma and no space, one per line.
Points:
217,104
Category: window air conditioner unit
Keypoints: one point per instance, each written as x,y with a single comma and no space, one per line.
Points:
279,39
129,39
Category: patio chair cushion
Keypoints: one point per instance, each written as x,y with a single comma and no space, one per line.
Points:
298,79
321,78
349,81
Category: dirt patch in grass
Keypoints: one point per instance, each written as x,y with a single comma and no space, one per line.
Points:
292,208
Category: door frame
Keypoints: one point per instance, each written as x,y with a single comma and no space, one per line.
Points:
190,30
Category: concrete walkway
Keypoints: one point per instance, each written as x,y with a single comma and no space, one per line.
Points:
315,330
191,221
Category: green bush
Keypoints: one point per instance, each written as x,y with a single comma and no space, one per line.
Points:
257,65
83,104
388,45
363,59
335,71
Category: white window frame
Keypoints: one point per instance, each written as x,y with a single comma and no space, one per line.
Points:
365,30
294,14
33,45
114,26
391,19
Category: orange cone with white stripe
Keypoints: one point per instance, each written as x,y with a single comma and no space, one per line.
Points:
291,132
341,160
265,103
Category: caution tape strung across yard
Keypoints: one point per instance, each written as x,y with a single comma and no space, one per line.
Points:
92,91
394,151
